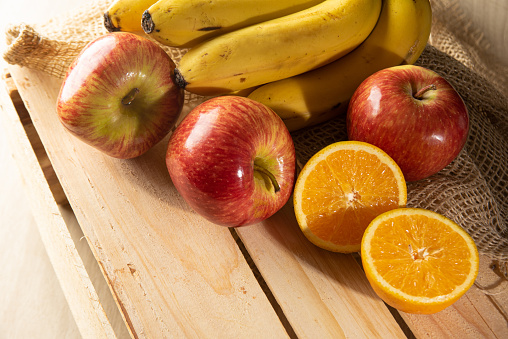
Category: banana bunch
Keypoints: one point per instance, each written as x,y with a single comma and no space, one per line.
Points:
277,48
399,37
302,58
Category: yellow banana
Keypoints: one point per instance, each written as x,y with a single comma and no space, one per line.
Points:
277,48
185,23
125,15
399,37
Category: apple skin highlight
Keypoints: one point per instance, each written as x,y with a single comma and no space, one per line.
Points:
213,153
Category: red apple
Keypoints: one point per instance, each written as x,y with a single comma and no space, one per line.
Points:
233,161
414,115
119,95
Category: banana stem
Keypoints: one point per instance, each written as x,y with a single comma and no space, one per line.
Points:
269,175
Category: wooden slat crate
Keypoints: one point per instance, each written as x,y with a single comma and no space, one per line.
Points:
173,274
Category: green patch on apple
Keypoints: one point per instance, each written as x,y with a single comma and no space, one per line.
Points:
119,95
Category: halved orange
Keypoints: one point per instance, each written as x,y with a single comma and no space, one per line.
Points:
418,261
341,189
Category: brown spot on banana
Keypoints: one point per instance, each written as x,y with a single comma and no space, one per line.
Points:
411,52
207,29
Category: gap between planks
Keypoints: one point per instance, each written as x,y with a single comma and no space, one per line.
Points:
35,141
278,309
264,287
90,264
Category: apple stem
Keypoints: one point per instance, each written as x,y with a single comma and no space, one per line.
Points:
421,92
129,98
270,176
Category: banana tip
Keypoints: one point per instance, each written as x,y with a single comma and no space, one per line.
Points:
109,24
147,22
179,79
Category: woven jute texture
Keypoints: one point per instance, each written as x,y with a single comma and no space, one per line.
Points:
472,190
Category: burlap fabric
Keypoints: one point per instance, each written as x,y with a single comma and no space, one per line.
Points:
472,190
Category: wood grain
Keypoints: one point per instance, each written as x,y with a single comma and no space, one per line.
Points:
323,294
171,272
175,274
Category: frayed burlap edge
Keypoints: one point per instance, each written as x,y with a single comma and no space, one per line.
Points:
52,47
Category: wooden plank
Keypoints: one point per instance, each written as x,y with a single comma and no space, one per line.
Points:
35,141
110,179
322,284
323,294
330,288
74,280
171,272
305,324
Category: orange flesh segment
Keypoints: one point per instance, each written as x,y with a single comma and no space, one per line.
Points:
420,256
348,190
